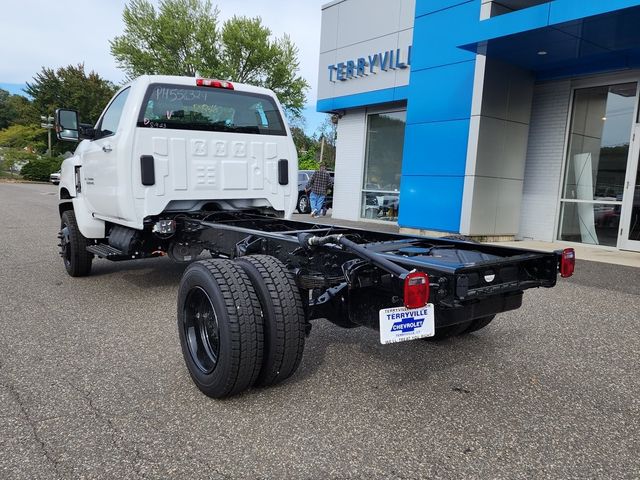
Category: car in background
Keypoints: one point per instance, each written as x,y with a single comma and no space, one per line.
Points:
304,204
55,177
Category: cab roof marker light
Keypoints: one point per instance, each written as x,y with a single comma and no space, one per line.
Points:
208,82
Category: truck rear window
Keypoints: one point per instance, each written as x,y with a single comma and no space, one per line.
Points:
211,109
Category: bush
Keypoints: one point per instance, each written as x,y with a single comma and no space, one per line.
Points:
40,169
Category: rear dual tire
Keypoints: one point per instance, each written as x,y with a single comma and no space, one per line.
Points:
240,324
220,327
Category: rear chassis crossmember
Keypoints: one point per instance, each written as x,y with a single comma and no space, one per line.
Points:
349,274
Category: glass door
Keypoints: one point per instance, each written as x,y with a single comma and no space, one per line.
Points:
630,226
597,164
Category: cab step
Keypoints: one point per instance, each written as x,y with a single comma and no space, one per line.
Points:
102,250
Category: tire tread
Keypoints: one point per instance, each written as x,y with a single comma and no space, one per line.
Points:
81,258
284,352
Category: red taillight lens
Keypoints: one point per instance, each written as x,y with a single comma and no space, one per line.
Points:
567,262
416,290
207,82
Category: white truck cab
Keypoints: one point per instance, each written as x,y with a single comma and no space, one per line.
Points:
167,150
175,144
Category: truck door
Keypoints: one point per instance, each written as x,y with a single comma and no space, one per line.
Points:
205,143
100,165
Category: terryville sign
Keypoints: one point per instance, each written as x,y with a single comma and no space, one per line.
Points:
398,59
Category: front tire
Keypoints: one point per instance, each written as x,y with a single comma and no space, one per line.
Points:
73,246
284,318
220,327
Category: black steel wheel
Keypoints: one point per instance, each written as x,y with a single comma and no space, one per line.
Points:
220,327
73,247
202,332
304,206
283,314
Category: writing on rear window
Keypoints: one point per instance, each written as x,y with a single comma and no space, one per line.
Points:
210,109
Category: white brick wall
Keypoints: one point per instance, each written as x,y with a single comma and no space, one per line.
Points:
545,158
350,151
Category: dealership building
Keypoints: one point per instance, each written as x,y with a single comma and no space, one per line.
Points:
496,119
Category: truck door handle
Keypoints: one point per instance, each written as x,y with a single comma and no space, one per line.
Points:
106,148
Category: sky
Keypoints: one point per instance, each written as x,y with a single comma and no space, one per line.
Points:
37,33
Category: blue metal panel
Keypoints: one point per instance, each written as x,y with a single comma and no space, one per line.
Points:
436,148
425,8
375,97
438,116
440,94
568,10
434,41
431,203
514,22
601,43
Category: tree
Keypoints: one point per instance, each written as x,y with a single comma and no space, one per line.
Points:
183,37
7,111
22,110
70,87
328,131
29,137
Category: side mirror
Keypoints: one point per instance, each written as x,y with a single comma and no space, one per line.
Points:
67,125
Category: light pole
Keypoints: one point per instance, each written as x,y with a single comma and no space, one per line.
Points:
47,122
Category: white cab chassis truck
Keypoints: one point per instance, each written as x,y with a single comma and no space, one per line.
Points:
178,166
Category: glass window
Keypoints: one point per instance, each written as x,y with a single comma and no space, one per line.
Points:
210,109
591,223
599,142
383,166
634,226
111,117
596,165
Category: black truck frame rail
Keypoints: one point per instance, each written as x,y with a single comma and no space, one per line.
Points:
350,274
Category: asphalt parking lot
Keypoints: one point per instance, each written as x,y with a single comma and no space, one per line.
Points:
93,385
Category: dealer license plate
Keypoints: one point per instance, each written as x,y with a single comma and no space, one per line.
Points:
400,324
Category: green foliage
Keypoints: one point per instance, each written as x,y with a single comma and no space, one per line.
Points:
70,87
14,109
24,136
40,169
183,37
302,141
6,111
180,38
307,160
11,157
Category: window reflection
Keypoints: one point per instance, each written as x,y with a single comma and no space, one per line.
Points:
596,165
595,224
600,135
383,164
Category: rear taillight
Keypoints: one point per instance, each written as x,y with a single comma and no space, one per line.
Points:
567,262
207,82
416,290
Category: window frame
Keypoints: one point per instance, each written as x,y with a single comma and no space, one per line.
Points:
98,127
